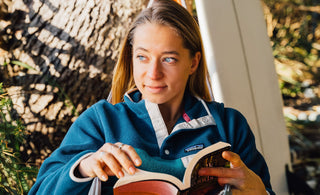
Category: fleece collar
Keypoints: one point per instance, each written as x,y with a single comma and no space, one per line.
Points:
143,107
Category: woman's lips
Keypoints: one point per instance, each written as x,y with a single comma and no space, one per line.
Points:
155,89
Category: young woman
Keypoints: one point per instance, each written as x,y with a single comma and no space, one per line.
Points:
161,109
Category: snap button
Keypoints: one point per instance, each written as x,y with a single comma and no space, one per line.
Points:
167,152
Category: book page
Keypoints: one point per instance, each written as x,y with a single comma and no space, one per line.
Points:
142,175
208,157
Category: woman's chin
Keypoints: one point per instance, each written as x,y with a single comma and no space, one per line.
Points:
156,100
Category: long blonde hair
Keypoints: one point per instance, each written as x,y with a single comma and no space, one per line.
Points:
169,13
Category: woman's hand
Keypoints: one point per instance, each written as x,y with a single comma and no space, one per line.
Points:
110,160
239,176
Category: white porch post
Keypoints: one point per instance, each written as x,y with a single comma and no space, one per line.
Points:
243,75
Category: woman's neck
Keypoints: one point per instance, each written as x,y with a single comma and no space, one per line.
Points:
170,114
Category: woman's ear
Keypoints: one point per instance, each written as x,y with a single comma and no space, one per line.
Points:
195,62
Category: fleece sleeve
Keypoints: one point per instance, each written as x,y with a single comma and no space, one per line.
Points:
243,143
84,136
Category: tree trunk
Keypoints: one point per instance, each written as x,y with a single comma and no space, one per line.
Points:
72,47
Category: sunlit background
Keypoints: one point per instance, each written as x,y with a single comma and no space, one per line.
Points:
56,59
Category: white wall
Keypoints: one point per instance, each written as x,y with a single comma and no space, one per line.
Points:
243,75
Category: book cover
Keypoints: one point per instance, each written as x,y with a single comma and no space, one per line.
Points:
153,183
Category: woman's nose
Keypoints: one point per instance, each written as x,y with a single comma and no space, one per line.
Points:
155,70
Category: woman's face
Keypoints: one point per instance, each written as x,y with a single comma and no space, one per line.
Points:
161,64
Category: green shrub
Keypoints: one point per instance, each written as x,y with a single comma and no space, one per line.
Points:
16,177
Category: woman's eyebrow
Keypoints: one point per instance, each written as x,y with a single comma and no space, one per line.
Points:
171,52
165,52
140,48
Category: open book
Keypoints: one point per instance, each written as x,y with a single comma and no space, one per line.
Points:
145,182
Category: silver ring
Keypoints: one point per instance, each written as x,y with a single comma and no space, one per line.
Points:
121,145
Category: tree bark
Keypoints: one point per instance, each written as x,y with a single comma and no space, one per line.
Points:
72,47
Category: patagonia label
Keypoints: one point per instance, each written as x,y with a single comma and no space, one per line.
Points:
195,147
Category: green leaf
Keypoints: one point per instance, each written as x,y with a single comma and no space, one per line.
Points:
22,65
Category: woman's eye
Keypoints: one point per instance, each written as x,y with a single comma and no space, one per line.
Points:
170,60
141,58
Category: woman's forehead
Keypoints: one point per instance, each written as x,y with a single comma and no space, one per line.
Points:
152,35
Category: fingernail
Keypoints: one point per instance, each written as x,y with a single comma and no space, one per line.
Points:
132,170
120,174
103,178
137,162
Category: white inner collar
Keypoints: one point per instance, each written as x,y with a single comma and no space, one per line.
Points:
160,127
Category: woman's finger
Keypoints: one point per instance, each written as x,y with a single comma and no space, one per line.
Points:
112,163
236,182
221,172
233,158
99,172
122,158
131,152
